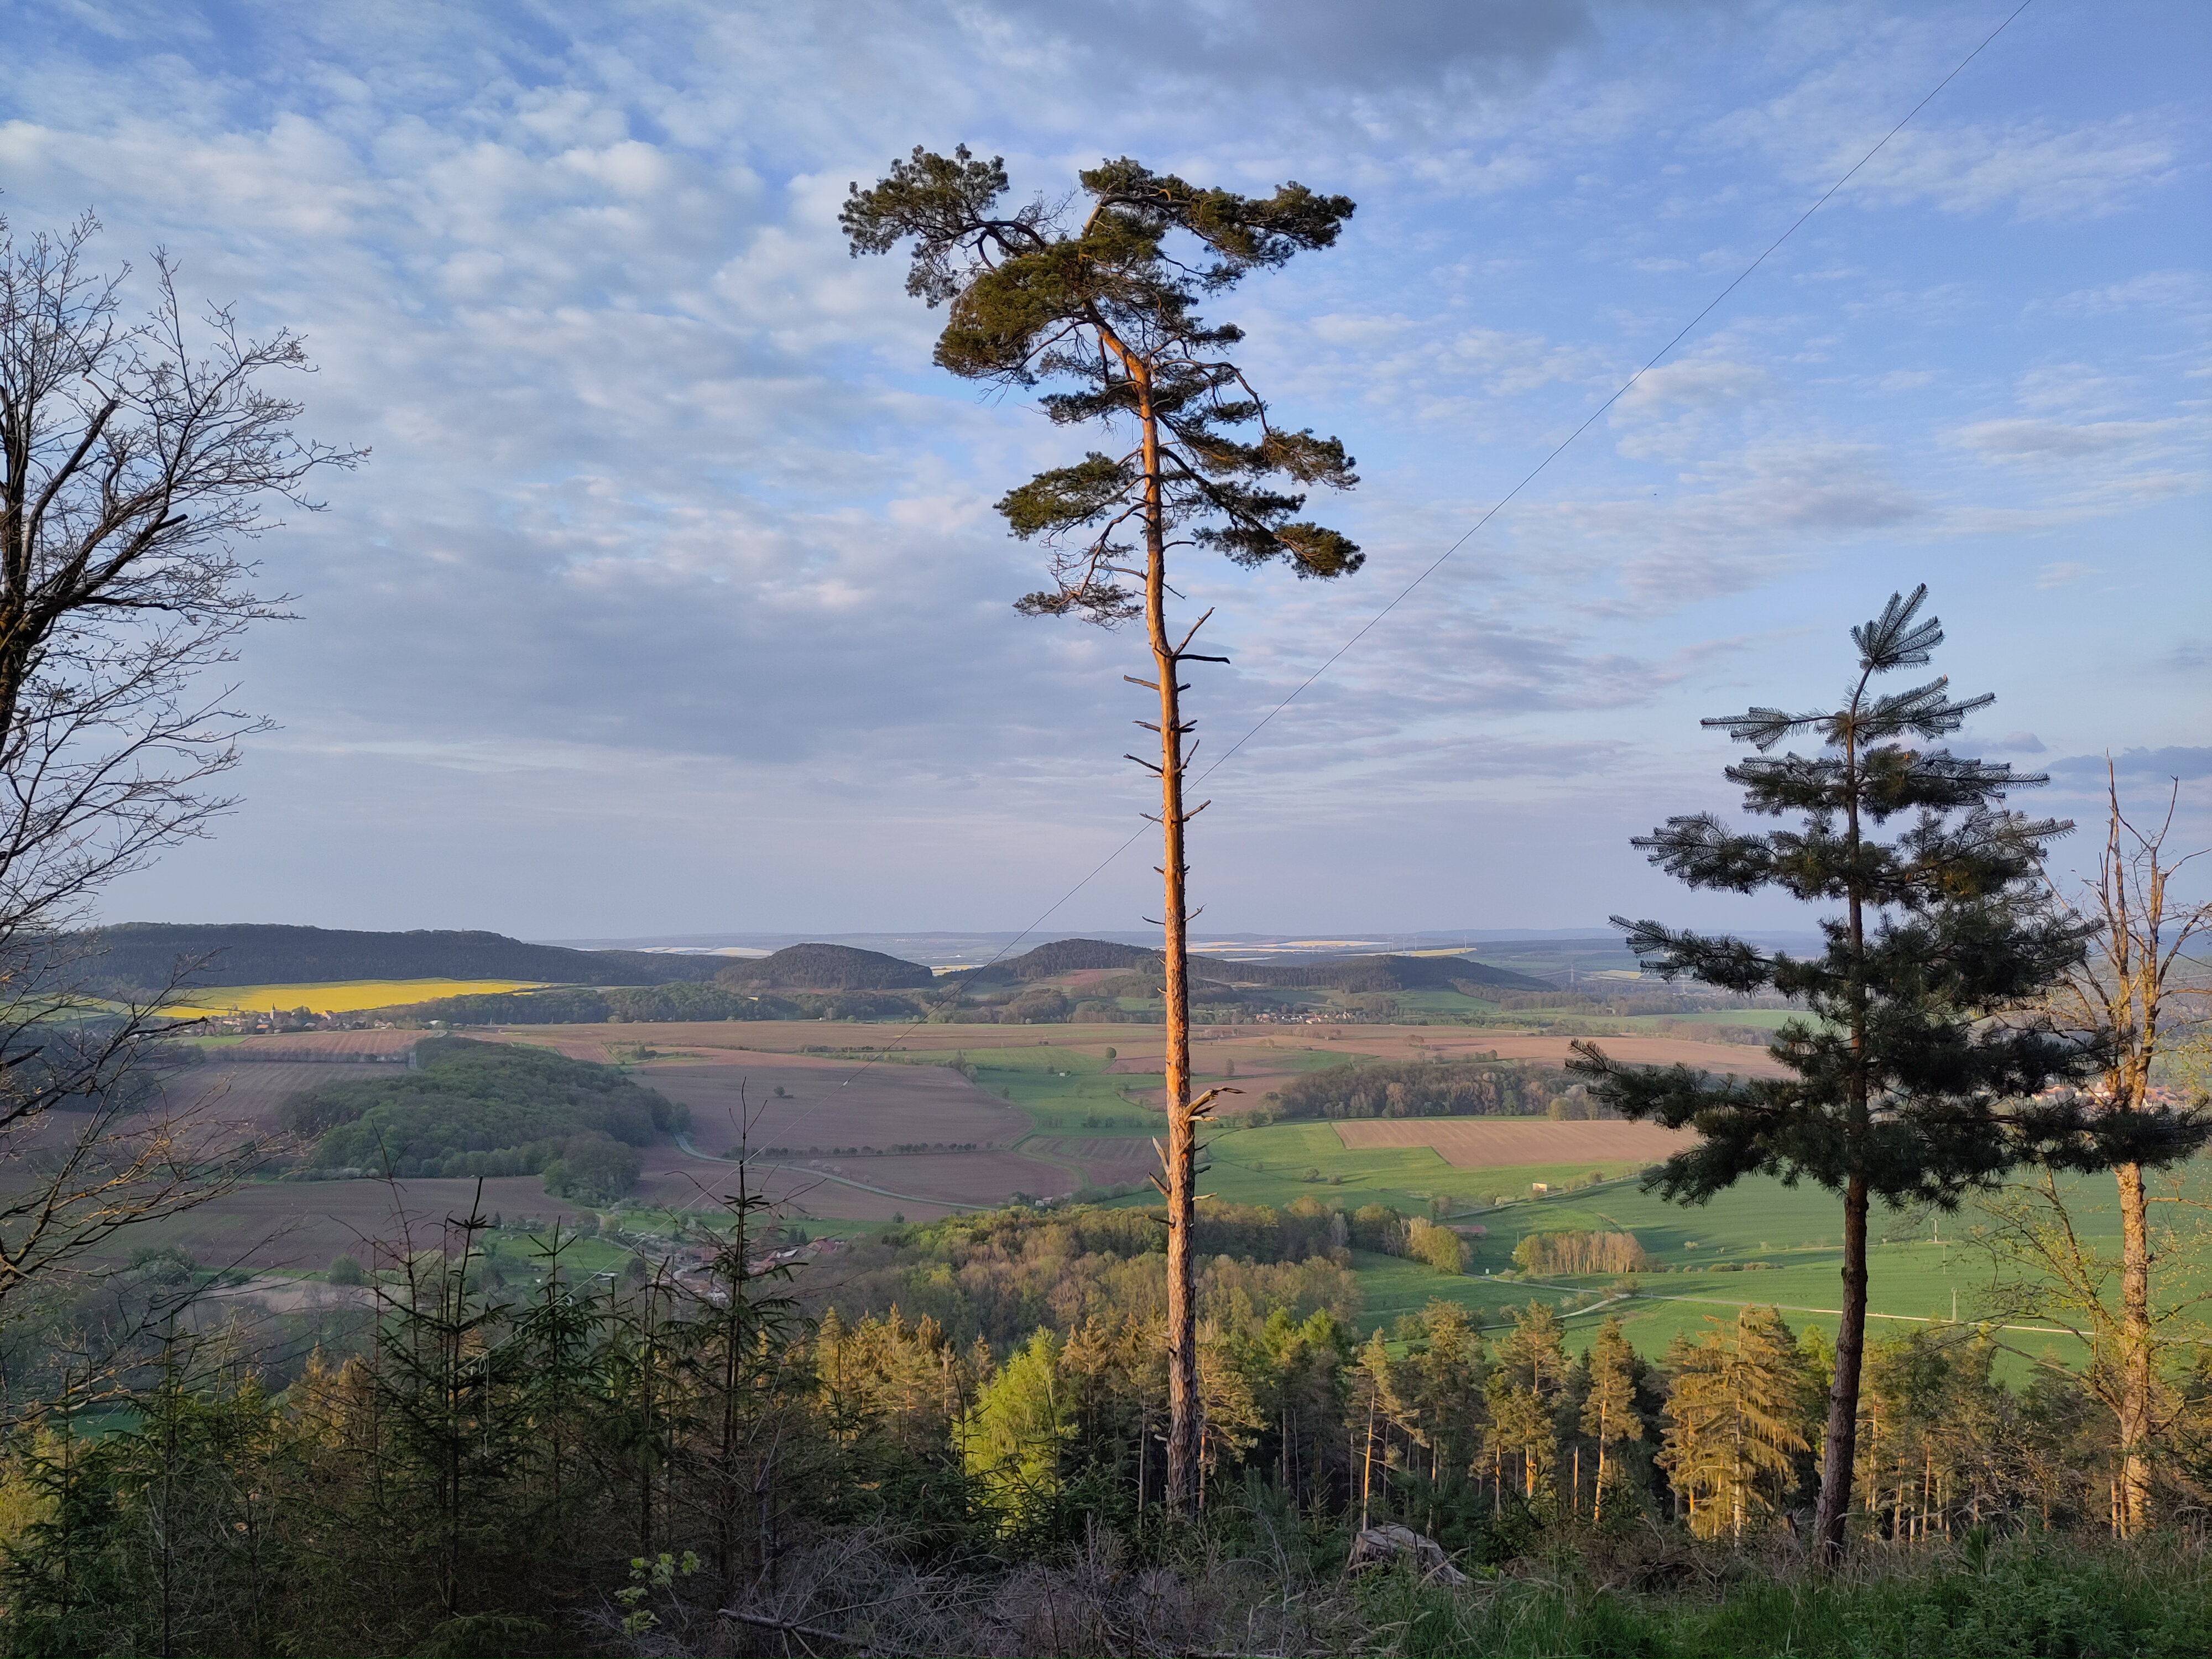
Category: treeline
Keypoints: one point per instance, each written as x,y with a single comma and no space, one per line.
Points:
1380,972
650,1005
924,1452
486,1110
1458,1088
1577,1252
826,968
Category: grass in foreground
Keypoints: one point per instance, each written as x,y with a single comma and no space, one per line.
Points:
2035,1597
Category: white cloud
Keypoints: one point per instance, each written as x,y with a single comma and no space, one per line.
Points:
2041,440
1705,383
2064,573
2087,172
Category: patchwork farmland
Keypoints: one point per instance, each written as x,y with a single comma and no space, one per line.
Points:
1489,1143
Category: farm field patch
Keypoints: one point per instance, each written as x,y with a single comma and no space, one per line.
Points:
331,997
302,1225
922,1187
1270,1166
828,1107
1770,1019
254,1091
1481,1143
1709,1249
825,1105
384,1045
1103,1160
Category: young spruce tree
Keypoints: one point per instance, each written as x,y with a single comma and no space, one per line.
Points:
1901,1086
1104,307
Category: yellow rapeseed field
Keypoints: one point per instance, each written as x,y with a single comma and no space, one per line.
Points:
336,997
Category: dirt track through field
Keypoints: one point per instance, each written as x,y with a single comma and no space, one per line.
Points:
1497,1143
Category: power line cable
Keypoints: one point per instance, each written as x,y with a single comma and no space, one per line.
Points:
1504,501
1626,387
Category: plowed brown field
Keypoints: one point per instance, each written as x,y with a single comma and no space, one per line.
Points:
832,1103
303,1224
922,1187
1105,1160
253,1091
1492,1143
318,1045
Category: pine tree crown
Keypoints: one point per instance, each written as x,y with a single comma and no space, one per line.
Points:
1109,304
1922,1062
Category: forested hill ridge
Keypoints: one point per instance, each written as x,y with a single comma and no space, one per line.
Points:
1063,956
826,968
1368,972
142,955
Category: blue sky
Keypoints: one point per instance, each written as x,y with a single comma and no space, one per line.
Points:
672,600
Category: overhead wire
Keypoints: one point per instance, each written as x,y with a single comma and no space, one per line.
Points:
1503,502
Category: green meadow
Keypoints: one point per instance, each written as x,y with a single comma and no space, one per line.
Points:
1760,1243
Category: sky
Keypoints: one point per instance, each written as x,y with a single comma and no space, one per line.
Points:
671,599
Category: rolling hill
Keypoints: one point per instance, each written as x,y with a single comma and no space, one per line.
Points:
141,956
1371,973
828,968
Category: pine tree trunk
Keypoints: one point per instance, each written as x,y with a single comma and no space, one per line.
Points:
2135,1352
1183,1403
1838,1454
1841,1447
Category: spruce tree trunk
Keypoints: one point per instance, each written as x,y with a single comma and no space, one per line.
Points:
1841,1448
1183,1405
1839,1453
2135,1352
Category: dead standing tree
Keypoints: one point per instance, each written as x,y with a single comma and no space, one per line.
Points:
2120,989
1105,307
135,459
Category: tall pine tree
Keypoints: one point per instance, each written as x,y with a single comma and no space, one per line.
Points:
1104,307
1609,1408
1901,1086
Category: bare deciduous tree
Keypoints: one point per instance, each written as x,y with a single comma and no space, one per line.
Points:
2121,989
136,460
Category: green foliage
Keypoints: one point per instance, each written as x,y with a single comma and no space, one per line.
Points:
578,1465
828,968
1925,1069
1440,1247
1373,974
1060,955
1574,1251
480,1109
1423,1089
1739,1412
2029,1598
1106,307
1012,1441
596,1168
1946,924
